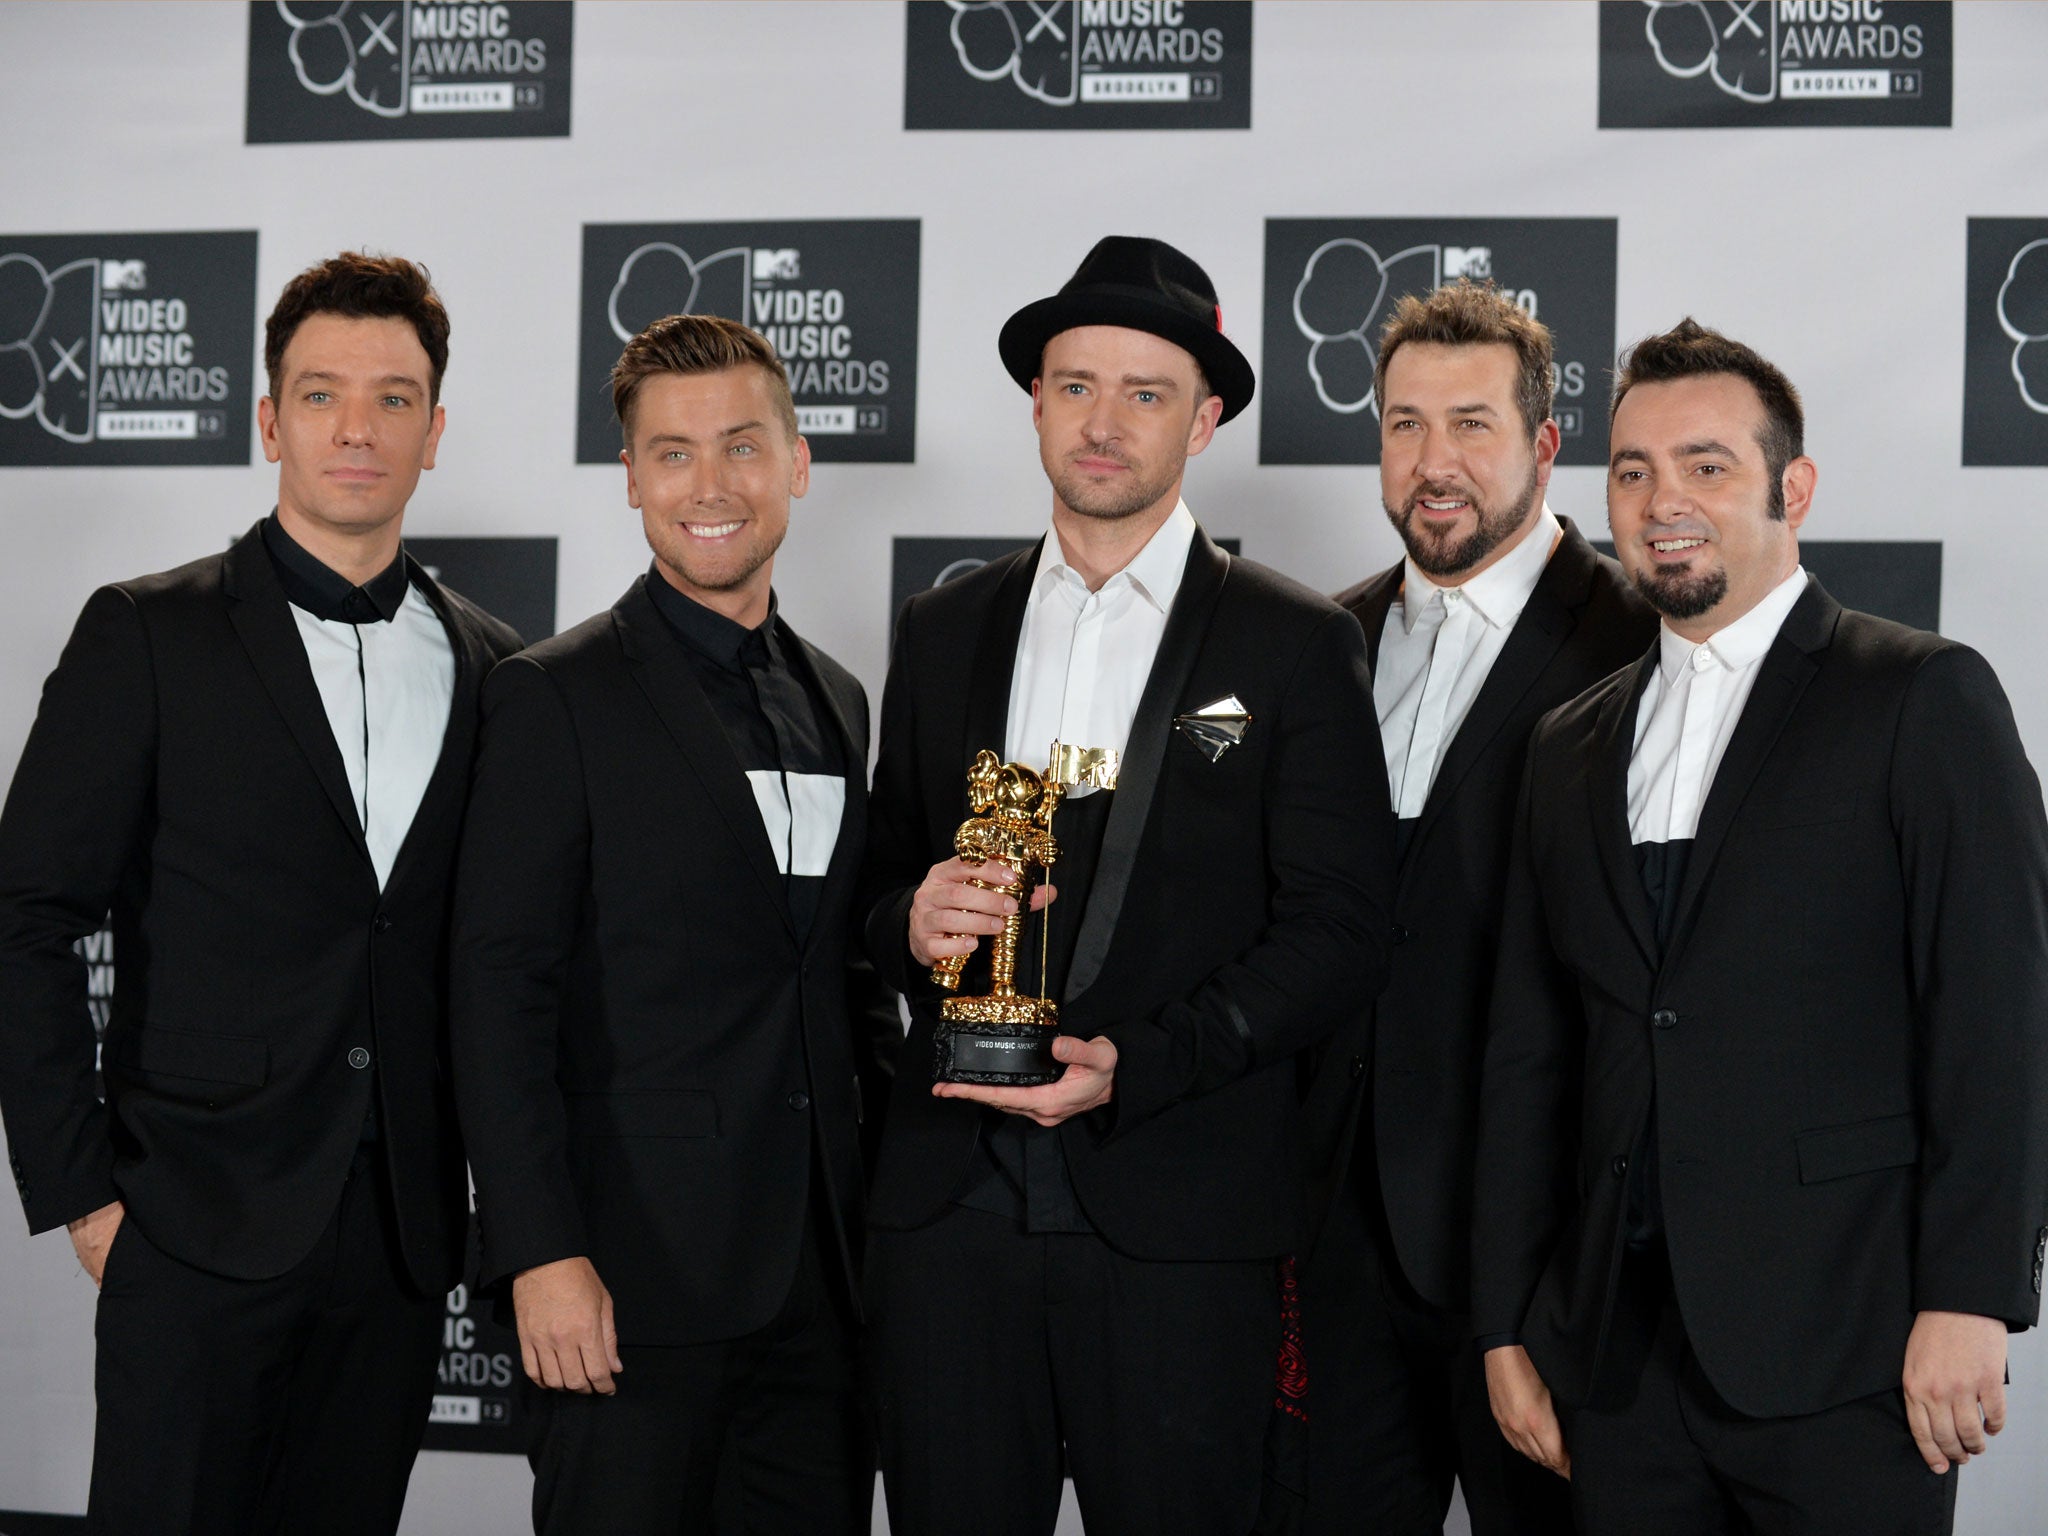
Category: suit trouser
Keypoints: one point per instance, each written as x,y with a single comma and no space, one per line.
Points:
1672,1457
763,1433
1397,1406
292,1405
991,1347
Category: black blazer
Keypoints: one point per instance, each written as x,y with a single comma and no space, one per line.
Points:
650,1063
182,775
1846,1036
1237,914
1416,1051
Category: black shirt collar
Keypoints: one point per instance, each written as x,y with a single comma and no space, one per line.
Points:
711,634
327,594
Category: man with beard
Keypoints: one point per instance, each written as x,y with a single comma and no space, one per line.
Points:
1763,1161
1500,612
1094,1260
654,1016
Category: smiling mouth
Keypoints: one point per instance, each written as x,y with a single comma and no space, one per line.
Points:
713,530
1675,546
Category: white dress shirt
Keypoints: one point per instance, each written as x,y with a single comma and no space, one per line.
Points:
1083,657
1689,711
1436,648
387,688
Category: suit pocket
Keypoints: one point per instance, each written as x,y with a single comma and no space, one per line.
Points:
243,1060
673,1113
1840,1150
1790,811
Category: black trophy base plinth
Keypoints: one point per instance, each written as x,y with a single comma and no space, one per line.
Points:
996,1055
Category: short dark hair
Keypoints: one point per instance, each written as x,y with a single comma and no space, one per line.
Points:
360,286
1467,314
688,344
1690,351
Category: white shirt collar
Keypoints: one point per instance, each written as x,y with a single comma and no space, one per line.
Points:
1737,645
1154,572
1497,594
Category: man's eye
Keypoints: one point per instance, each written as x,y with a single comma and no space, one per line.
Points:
399,401
1146,396
318,397
675,456
743,450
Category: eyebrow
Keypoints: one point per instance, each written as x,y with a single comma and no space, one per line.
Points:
323,376
1480,409
1707,447
688,441
1132,380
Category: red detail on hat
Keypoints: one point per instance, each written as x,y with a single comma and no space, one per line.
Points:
1219,319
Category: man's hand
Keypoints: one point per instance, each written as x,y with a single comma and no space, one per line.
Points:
947,914
1523,1410
1955,1385
1089,1081
567,1339
92,1235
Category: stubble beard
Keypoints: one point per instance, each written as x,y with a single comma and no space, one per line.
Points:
1131,494
1438,556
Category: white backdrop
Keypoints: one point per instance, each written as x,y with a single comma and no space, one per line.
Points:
1839,251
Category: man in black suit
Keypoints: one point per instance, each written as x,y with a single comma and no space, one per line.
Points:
1763,1170
1500,611
653,1024
1093,1260
257,763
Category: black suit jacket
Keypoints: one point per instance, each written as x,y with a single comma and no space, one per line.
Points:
1846,1035
1414,1054
182,775
1237,914
647,1053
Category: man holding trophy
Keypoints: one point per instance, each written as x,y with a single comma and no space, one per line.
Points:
1089,1169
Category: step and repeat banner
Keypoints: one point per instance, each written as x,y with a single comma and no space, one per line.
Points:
1854,186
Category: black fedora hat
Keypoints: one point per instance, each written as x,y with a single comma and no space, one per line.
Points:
1143,284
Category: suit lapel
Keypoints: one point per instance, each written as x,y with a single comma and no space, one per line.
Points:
1545,623
1788,666
1369,604
1607,778
263,622
445,786
1179,647
654,657
986,720
846,846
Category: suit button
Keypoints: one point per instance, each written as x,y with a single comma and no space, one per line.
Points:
359,1058
1621,1167
1664,1018
1399,934
381,925
1357,1067
799,1100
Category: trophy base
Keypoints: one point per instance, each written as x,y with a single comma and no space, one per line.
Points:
996,1053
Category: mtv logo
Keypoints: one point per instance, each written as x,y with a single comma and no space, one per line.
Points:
117,275
1468,261
775,265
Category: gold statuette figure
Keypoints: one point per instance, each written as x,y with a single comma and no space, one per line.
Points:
1005,1037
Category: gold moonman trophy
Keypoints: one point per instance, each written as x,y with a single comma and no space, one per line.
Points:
1005,1039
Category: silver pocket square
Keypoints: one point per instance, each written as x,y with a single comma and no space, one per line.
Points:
1216,727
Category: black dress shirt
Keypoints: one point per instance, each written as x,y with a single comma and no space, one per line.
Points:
775,721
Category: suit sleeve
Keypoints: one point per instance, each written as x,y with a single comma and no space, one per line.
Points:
521,882
1523,1172
898,853
74,822
871,1006
1330,873
1973,846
